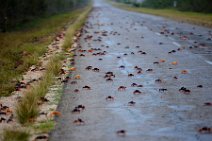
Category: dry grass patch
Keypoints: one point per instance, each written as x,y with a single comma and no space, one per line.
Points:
15,135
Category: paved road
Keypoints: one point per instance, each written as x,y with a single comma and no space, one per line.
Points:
159,54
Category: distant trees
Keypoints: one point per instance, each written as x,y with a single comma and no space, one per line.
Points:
195,5
13,12
157,3
183,5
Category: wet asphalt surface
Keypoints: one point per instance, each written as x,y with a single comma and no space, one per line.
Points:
164,69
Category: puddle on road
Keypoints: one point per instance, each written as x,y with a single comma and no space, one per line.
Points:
209,62
128,66
113,54
172,132
146,79
109,42
129,115
181,107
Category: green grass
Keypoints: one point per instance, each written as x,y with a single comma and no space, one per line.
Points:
76,26
27,109
13,135
189,17
21,49
44,127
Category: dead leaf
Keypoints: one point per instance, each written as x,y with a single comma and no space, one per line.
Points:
184,72
55,113
77,76
73,69
174,63
162,60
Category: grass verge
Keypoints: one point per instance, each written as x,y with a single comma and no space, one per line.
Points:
27,109
75,26
13,135
44,127
22,49
189,17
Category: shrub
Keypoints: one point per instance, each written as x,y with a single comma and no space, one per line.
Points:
136,4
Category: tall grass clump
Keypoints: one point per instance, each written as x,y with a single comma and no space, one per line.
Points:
27,109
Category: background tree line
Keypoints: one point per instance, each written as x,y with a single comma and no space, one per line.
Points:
14,12
183,5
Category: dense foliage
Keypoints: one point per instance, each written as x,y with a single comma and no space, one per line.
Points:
195,5
183,5
157,3
13,12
